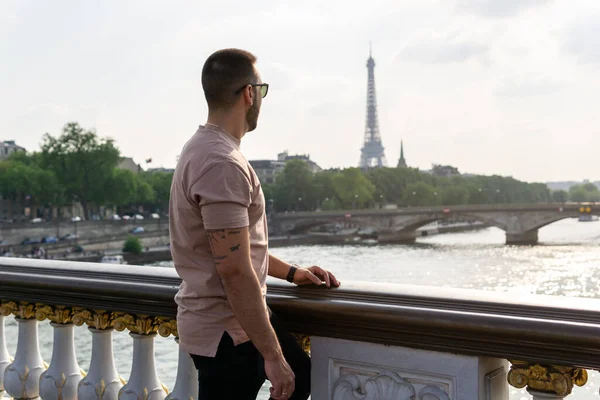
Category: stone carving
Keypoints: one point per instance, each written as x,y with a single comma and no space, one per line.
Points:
432,393
550,379
387,385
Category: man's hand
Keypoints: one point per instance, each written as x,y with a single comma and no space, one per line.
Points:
281,377
315,275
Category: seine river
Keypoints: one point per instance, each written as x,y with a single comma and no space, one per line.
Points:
565,263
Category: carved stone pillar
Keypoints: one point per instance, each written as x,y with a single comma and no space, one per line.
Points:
546,381
4,356
102,381
22,376
60,381
143,382
186,383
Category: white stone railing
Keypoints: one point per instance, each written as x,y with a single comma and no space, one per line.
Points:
27,376
368,341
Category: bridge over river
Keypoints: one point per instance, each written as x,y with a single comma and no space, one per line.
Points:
521,222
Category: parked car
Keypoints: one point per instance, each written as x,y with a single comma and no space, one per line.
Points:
138,216
31,241
137,229
115,217
155,216
70,236
50,239
36,220
126,217
76,219
117,259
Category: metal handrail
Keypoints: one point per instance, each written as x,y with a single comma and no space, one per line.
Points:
544,329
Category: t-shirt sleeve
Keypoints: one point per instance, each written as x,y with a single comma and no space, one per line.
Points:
224,194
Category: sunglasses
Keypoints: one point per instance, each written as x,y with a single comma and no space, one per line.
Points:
264,88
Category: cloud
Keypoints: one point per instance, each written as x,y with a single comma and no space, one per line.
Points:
583,39
438,51
522,87
497,8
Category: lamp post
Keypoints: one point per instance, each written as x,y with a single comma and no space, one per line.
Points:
354,201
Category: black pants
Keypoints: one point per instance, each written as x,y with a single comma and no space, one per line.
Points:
238,372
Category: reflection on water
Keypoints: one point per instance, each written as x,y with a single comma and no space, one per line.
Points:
566,263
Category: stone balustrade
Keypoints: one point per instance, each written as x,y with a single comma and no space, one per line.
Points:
368,341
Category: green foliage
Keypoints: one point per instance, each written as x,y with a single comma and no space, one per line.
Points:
353,189
132,245
79,166
295,187
421,194
83,163
560,196
587,192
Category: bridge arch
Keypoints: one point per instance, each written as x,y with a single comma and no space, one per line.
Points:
424,220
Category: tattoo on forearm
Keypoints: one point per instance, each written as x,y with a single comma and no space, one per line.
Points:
234,248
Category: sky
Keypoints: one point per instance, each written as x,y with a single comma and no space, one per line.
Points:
508,87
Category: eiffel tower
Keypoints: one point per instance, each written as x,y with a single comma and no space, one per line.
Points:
372,154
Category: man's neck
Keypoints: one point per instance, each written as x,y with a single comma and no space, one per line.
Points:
227,123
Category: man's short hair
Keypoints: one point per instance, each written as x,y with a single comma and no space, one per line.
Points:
224,72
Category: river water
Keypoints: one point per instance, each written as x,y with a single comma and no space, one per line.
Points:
565,263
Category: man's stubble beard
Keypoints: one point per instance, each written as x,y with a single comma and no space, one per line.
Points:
252,117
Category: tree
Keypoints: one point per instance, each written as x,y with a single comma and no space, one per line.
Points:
420,194
121,187
455,195
295,189
353,188
560,196
578,194
132,245
83,163
161,186
25,183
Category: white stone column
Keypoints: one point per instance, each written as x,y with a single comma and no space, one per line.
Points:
60,380
4,356
102,381
143,382
22,376
186,383
537,395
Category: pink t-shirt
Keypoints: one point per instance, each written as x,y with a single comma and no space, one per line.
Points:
214,187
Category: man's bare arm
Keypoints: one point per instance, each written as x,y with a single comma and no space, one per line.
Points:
231,252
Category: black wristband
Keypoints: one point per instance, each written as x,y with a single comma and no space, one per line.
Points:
291,273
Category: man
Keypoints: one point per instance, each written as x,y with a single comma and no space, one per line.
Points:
219,246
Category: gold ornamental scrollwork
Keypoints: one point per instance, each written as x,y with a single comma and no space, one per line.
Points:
98,319
8,308
21,309
303,340
140,324
56,314
546,378
167,327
